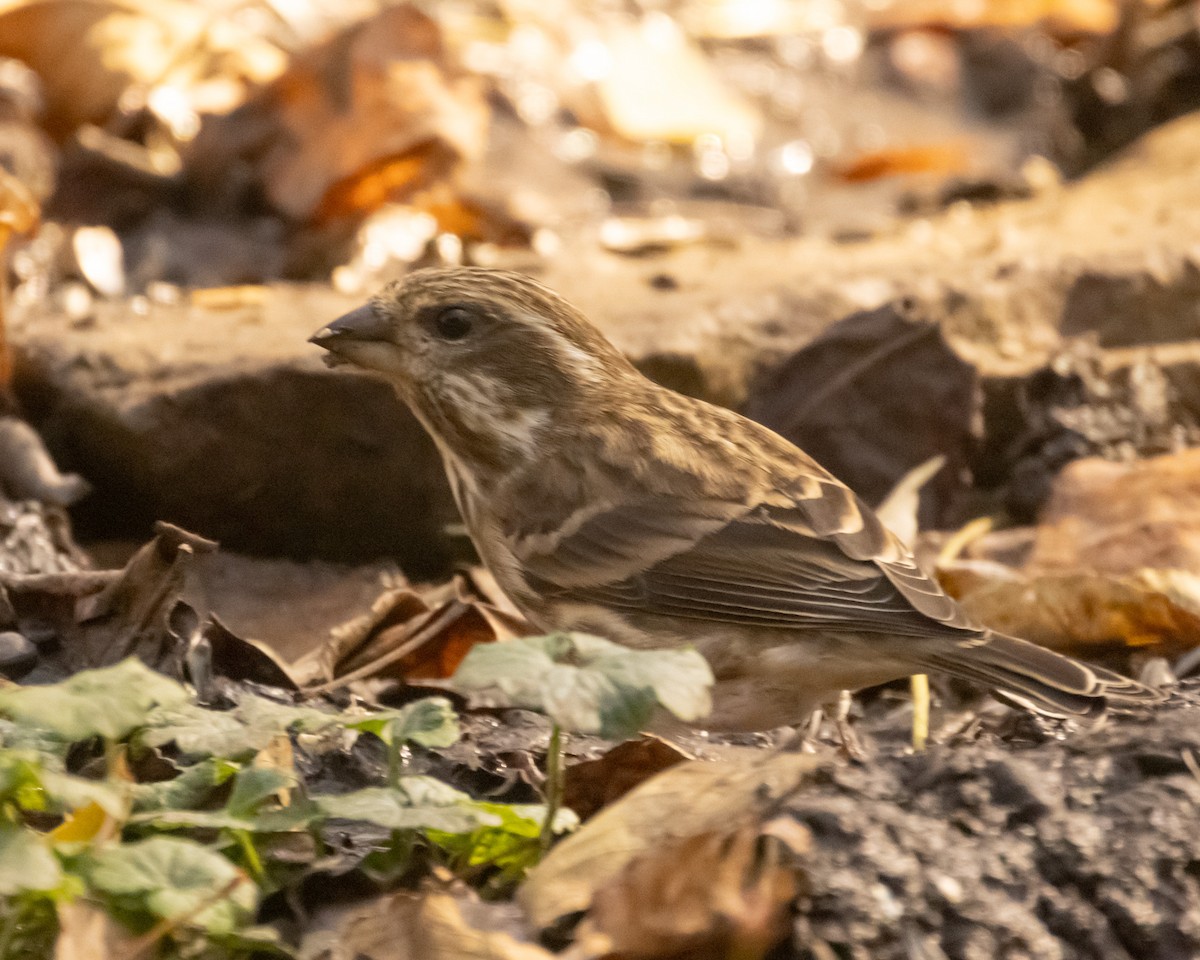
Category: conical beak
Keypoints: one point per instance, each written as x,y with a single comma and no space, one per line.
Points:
363,324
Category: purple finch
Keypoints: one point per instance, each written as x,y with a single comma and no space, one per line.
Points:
606,504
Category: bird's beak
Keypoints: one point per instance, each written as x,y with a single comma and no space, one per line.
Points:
361,325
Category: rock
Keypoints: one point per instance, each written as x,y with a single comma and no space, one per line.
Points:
17,655
214,413
878,394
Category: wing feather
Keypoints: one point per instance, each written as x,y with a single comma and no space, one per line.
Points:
813,563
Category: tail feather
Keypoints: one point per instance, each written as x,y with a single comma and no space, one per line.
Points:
1040,679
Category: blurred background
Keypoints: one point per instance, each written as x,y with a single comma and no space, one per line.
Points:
891,230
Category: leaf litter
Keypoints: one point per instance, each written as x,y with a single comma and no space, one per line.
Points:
226,786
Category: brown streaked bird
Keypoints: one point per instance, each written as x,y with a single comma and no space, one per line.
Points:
607,504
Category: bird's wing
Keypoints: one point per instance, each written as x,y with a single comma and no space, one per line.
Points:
817,559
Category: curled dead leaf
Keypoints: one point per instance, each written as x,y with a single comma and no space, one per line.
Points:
692,798
411,635
1088,615
712,895
593,784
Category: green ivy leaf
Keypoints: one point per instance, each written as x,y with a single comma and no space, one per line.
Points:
26,862
165,878
587,684
430,722
234,734
109,702
417,803
191,788
253,786
512,846
26,781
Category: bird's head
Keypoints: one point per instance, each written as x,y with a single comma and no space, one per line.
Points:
487,359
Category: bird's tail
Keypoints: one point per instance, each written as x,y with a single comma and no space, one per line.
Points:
1040,679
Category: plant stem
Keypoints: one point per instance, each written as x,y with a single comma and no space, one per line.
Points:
394,763
554,785
253,861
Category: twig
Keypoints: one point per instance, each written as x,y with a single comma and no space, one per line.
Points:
147,940
920,721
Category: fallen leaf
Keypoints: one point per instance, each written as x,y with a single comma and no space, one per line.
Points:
659,85
115,45
714,895
937,158
898,511
593,784
1088,615
1122,517
27,472
374,115
692,798
131,616
1059,16
411,635
435,925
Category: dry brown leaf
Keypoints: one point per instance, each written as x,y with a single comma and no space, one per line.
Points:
19,213
116,45
938,158
1122,517
1059,16
713,895
691,798
421,926
1085,614
661,86
593,784
410,636
374,115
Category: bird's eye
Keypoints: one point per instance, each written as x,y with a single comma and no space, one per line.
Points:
453,323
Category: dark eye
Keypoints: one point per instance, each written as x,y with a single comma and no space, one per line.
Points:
453,323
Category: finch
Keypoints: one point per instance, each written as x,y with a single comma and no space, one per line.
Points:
607,504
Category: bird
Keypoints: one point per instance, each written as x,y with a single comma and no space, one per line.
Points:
607,504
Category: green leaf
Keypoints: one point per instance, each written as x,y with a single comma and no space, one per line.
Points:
20,736
418,803
198,732
246,809
430,722
235,734
253,786
26,862
26,781
190,789
169,877
588,684
21,779
110,702
72,792
512,846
